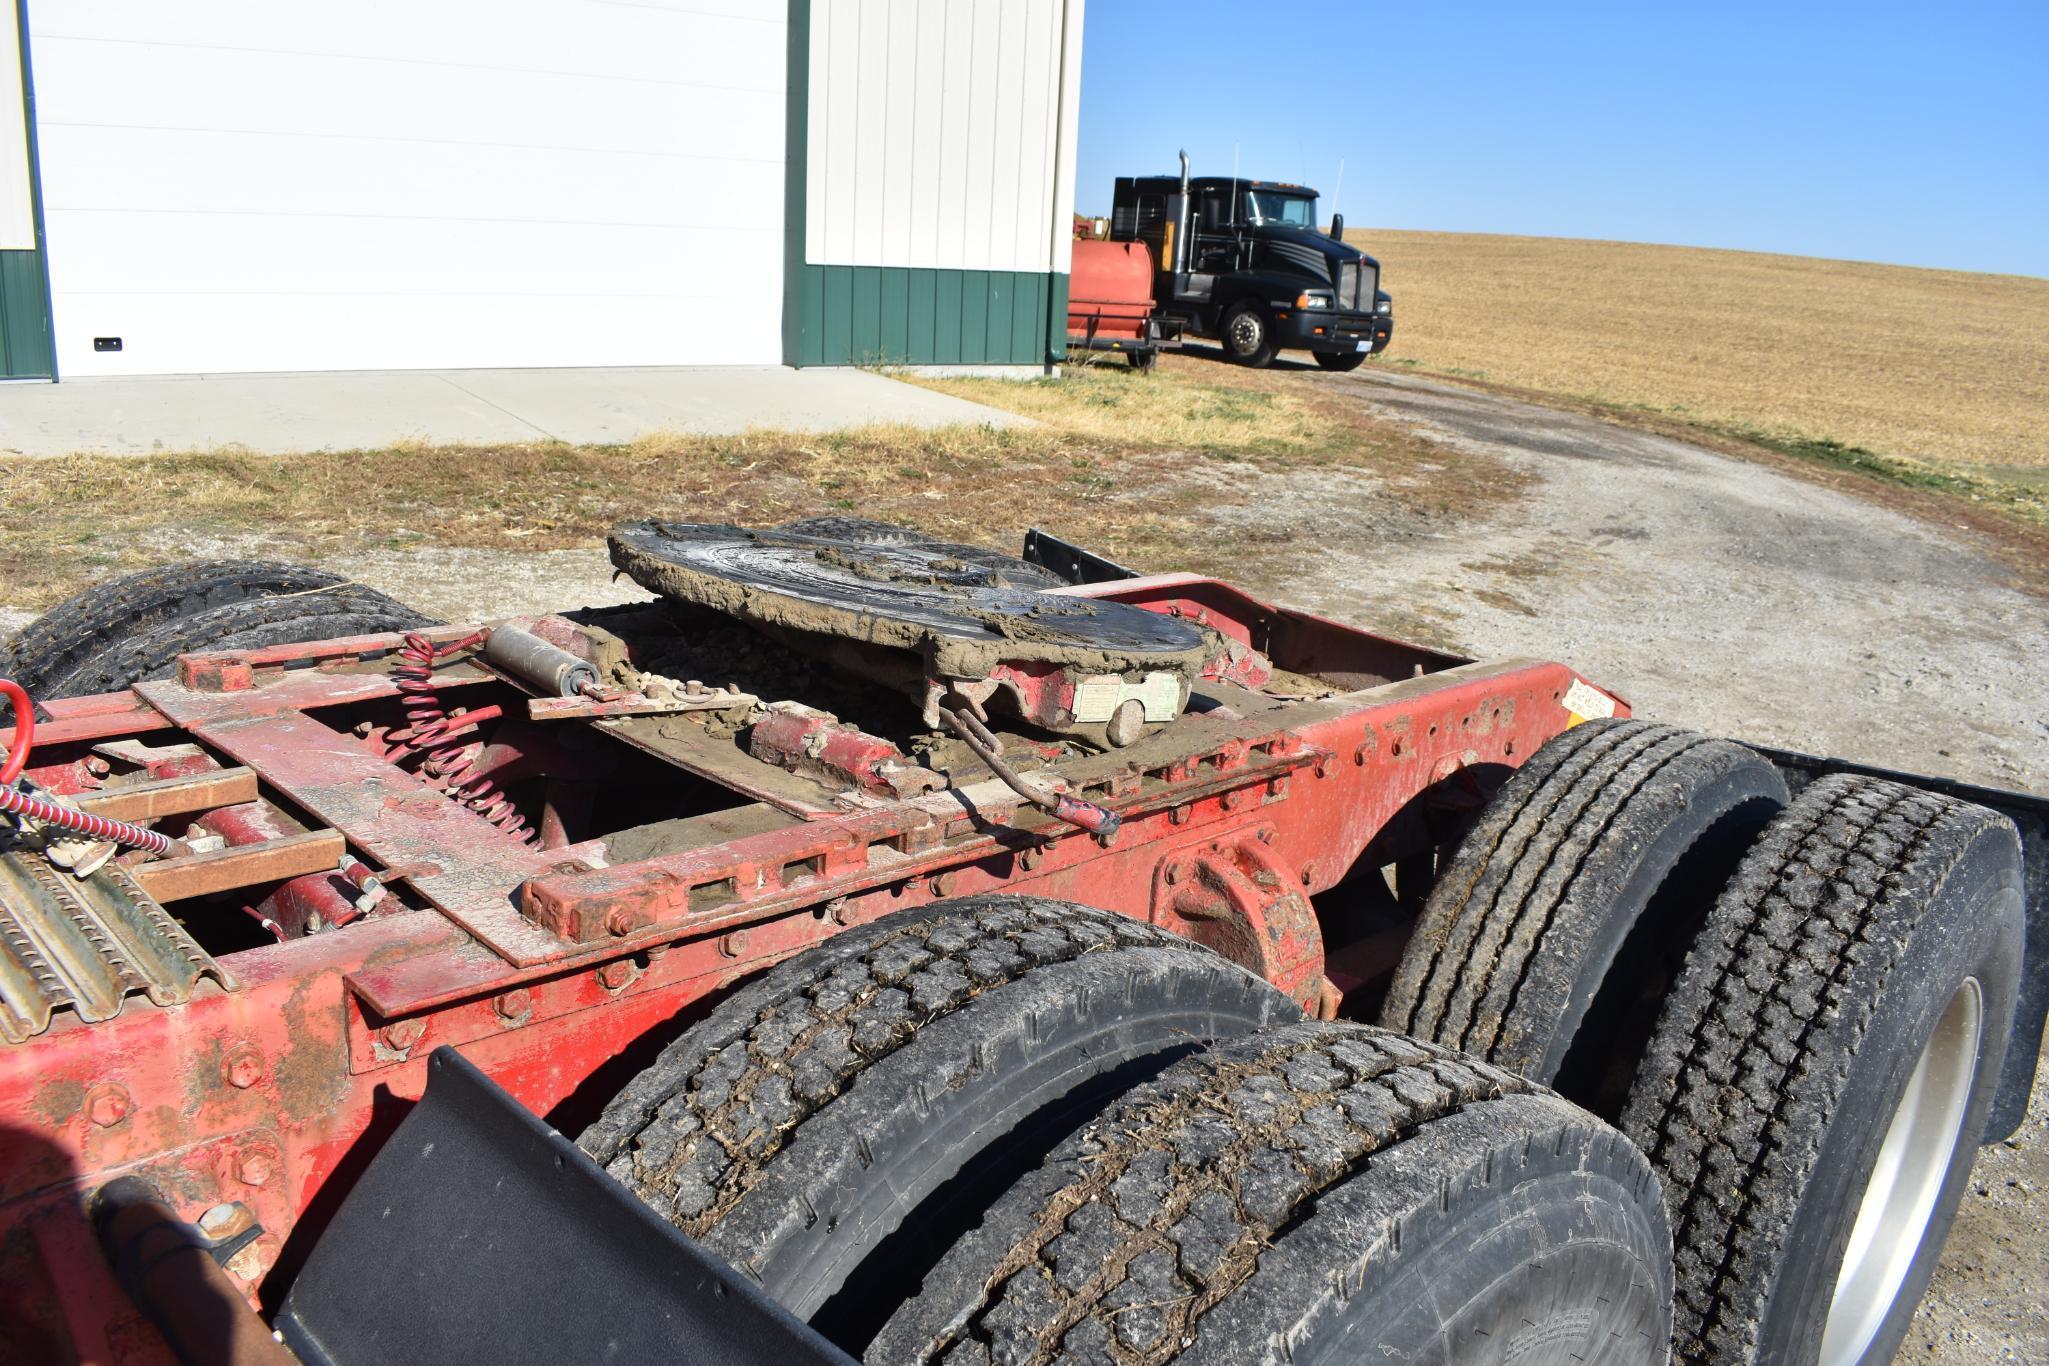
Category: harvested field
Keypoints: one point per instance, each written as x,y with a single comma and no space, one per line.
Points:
1945,370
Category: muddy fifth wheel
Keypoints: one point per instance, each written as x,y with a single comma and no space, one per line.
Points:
948,630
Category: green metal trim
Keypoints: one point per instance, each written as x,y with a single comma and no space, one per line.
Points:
28,344
902,315
798,305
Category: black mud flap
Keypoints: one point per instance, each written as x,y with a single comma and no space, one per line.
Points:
1070,561
2030,815
479,1234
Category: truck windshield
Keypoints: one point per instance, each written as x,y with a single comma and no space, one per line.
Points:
1274,206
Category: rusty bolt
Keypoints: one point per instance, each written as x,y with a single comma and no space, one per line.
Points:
735,944
514,1004
254,1167
615,976
1234,799
1359,755
363,729
1180,814
219,1221
97,766
247,1264
622,922
243,1068
944,883
108,1104
1266,836
1172,874
1029,859
403,1035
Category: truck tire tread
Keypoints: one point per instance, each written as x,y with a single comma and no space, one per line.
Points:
1748,1065
1134,1241
331,612
697,1126
47,651
1559,868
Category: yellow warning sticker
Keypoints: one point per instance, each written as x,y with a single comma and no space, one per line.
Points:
1585,702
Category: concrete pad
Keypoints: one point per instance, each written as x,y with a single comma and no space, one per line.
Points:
369,410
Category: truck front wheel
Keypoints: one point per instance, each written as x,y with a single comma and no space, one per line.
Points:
1248,335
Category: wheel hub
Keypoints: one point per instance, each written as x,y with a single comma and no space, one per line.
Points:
1906,1181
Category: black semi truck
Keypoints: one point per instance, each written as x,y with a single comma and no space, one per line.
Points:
1242,262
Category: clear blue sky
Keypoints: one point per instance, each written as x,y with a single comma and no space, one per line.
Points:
1916,134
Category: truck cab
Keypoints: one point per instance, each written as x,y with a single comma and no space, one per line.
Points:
1243,262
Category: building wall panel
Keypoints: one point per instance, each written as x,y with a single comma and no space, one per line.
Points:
935,132
254,186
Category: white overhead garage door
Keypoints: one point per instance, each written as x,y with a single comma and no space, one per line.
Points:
250,185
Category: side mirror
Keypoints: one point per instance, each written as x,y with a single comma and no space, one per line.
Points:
1337,226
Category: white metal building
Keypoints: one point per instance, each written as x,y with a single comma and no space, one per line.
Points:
243,185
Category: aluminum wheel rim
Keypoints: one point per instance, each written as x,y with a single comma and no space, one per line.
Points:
1245,334
1899,1199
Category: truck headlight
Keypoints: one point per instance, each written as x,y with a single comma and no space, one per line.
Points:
1312,301
1383,305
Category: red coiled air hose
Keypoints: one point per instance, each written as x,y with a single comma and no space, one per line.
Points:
429,730
16,802
24,730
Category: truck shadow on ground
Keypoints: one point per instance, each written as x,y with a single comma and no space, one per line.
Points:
1214,354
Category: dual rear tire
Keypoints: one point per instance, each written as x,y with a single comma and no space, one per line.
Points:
1798,1008
876,1130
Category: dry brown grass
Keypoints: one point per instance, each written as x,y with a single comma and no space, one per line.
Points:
1102,468
1942,367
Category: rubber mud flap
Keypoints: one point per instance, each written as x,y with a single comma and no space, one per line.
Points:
480,1234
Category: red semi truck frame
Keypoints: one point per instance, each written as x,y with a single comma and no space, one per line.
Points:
265,1079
